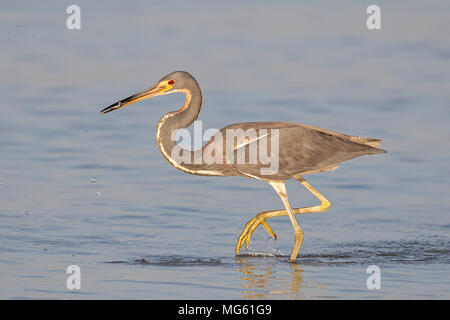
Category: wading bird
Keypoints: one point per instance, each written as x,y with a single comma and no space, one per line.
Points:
302,149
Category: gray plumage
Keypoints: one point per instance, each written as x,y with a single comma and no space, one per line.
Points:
302,148
297,149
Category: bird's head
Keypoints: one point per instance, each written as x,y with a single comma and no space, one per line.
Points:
177,81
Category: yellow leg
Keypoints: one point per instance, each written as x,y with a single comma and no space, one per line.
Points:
261,217
251,226
280,188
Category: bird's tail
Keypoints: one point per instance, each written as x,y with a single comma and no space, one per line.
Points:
372,142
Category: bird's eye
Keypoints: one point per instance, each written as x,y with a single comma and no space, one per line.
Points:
171,82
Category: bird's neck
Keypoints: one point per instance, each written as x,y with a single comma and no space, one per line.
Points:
175,120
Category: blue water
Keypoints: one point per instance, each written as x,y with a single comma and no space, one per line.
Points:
77,187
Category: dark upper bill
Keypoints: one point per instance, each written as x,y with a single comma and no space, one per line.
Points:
152,92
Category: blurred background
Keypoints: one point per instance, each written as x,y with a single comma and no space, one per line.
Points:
77,187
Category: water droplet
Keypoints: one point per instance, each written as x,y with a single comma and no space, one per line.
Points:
93,180
2,184
28,213
98,194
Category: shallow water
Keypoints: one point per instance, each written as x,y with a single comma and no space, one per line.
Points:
80,188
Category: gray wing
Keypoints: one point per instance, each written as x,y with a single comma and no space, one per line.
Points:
298,149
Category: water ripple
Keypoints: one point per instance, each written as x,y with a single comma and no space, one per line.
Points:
363,253
173,261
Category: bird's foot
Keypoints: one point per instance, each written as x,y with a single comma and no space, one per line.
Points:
250,227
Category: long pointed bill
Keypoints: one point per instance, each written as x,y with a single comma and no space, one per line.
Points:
154,91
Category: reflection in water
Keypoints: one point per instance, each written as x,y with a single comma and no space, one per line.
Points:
268,276
253,282
260,281
297,279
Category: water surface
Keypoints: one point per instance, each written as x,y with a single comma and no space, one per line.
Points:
77,187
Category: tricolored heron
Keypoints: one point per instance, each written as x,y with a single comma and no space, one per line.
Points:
302,149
